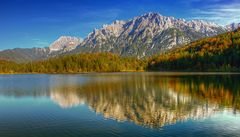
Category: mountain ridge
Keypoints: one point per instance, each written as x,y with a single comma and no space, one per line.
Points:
220,53
150,32
141,36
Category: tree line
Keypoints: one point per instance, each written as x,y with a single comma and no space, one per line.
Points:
86,62
220,53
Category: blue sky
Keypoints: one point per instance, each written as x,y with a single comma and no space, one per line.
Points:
37,23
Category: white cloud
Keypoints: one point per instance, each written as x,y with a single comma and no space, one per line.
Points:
222,14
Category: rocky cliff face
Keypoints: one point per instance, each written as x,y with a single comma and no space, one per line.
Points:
147,35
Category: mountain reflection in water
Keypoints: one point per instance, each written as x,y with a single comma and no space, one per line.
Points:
144,99
152,101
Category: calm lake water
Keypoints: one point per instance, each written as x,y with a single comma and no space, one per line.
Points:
120,104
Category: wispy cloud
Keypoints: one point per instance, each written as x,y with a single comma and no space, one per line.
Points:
220,13
191,2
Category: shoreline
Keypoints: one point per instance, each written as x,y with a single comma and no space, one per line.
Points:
149,72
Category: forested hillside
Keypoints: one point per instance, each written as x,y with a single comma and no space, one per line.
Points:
220,53
8,67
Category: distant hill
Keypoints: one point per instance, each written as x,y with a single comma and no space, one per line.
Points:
60,46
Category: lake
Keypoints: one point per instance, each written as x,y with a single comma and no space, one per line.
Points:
120,104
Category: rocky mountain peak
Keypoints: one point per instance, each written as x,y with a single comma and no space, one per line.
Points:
65,43
151,15
147,34
233,26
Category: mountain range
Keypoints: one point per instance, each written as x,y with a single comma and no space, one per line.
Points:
141,36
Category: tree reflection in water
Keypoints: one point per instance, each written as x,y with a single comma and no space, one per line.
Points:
151,100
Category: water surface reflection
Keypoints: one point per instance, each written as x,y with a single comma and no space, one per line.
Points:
146,99
150,100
